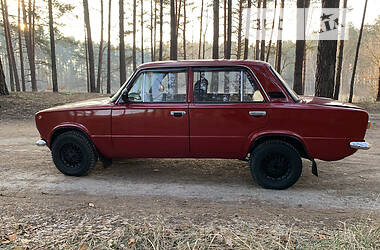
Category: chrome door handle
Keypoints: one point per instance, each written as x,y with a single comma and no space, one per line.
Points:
177,113
257,113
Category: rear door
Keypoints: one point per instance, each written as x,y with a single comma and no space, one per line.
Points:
227,108
155,121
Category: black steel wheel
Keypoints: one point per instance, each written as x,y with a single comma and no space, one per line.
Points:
73,154
275,164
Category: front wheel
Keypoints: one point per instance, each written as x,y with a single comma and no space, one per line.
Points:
275,164
73,154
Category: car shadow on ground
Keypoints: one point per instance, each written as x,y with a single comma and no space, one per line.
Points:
189,171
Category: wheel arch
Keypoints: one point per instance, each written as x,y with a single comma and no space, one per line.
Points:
293,140
68,127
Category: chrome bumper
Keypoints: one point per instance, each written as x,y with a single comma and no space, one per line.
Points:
41,143
359,145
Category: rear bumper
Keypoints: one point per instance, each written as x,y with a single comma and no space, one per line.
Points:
360,145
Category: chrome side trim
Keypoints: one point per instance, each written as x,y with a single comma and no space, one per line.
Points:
360,145
41,143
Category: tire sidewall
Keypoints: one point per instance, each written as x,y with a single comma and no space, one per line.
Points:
257,167
86,152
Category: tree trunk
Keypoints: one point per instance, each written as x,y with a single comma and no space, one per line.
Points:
229,30
155,31
300,53
357,55
225,28
271,34
204,38
91,60
378,86
215,44
134,36
161,32
3,84
8,37
32,10
258,23
338,76
200,32
29,44
262,49
173,28
277,63
240,24
184,29
304,71
100,58
178,14
54,77
9,58
11,80
23,87
109,50
151,31
86,57
142,30
326,60
246,38
123,73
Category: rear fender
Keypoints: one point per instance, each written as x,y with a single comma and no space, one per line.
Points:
287,136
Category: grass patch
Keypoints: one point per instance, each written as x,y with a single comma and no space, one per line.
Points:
159,236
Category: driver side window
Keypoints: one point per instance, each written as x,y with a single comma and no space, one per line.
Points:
159,87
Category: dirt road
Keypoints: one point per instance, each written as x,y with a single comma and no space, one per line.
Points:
352,183
203,192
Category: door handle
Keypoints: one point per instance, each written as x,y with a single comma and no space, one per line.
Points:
177,113
257,113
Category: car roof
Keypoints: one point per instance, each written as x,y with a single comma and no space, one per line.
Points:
200,63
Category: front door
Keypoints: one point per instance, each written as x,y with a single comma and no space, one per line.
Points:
155,120
227,108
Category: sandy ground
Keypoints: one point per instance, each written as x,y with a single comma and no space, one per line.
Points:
176,190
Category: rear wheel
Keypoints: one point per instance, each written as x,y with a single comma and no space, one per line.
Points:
275,164
73,154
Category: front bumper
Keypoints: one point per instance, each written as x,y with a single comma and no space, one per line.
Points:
360,145
41,142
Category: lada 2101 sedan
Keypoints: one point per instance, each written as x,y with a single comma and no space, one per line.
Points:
205,109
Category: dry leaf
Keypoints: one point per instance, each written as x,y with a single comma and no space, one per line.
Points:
131,242
63,245
322,236
25,241
84,247
284,238
5,242
91,204
12,237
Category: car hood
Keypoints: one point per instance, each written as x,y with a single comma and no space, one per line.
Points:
92,103
326,102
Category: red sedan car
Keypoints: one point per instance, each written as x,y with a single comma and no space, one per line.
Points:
205,109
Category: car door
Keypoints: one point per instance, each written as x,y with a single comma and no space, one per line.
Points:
227,108
154,122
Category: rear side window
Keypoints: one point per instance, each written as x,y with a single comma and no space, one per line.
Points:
224,86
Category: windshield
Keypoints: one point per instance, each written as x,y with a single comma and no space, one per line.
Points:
293,94
117,94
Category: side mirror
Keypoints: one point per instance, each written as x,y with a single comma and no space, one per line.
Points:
124,97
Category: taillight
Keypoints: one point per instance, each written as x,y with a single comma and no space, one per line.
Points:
369,125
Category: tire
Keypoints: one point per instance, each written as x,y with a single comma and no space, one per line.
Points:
73,154
275,164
